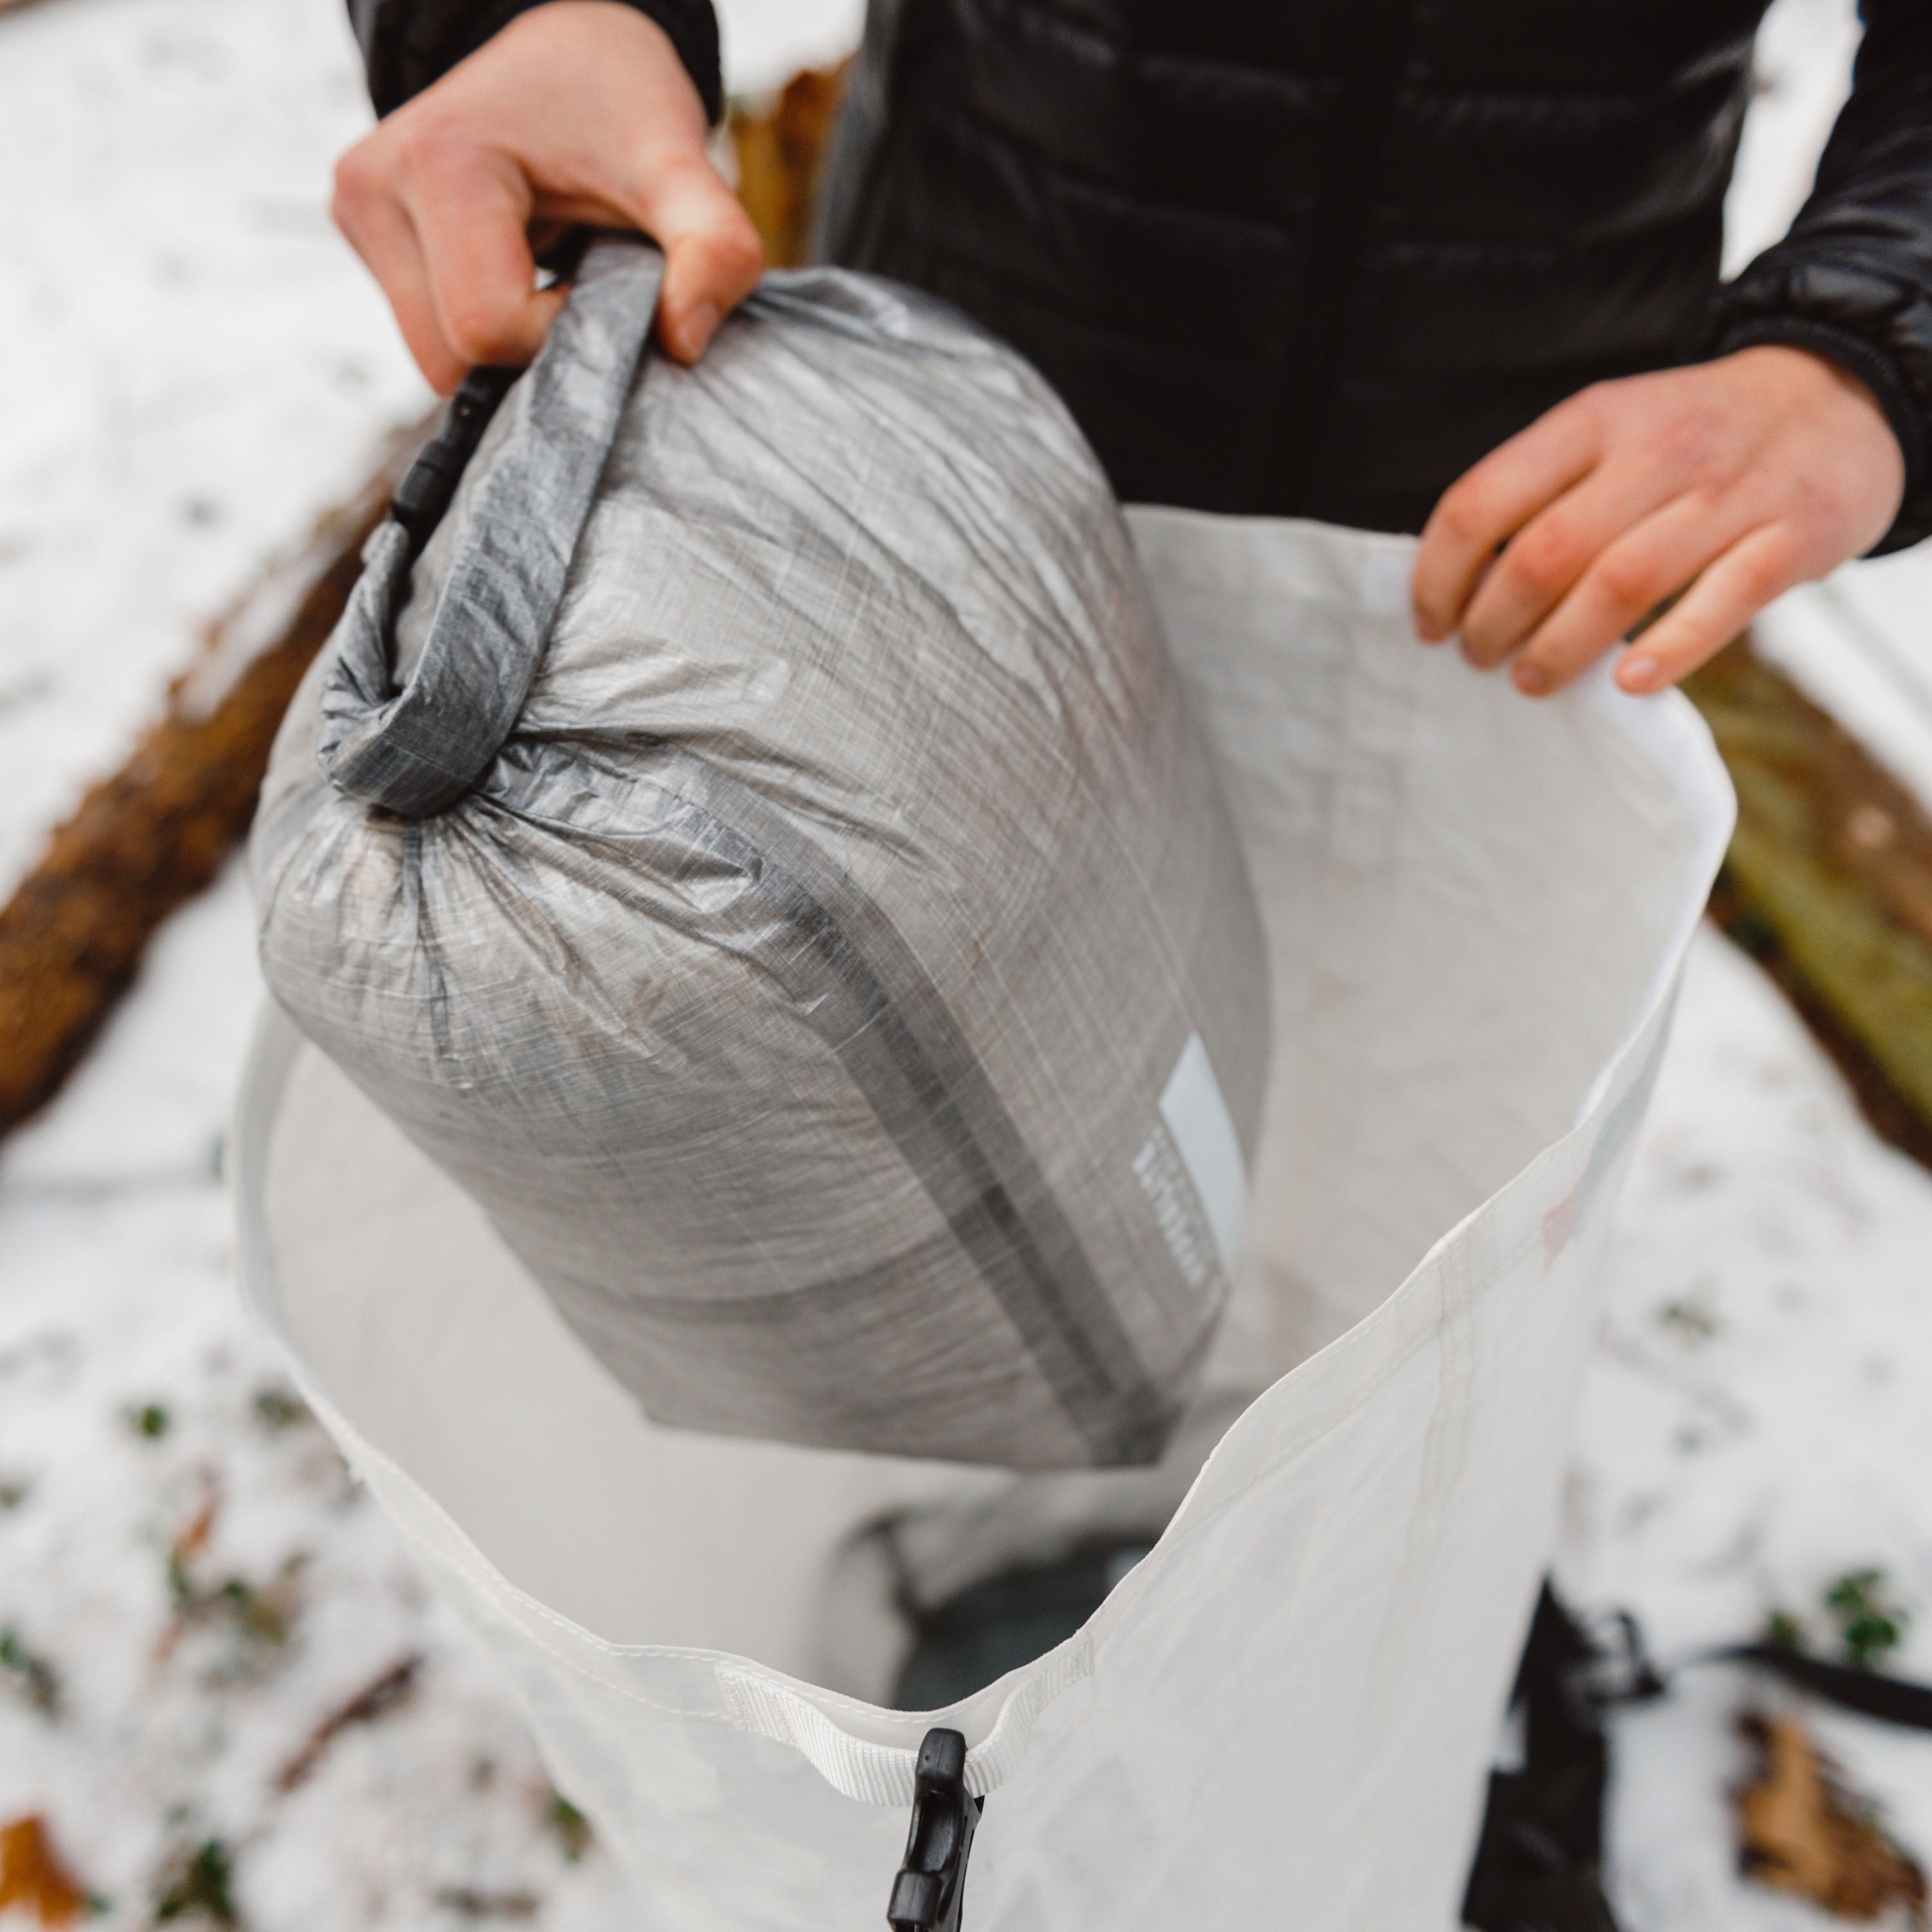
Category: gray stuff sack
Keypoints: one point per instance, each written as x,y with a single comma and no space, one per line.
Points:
758,849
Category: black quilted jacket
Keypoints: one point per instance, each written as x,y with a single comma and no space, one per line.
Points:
1315,257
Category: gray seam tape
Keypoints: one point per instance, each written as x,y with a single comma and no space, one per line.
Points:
854,981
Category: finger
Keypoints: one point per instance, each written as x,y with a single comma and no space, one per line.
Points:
1554,553
376,226
1625,582
472,222
713,255
1485,507
1758,567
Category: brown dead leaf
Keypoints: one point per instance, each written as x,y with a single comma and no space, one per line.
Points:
33,1878
1801,1829
194,1539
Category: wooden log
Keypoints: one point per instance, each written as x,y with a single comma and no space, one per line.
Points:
780,151
1828,883
154,834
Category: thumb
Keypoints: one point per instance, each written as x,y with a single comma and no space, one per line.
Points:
713,255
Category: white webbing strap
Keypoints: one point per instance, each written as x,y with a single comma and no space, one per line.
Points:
881,1773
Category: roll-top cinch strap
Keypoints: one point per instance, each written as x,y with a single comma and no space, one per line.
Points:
417,750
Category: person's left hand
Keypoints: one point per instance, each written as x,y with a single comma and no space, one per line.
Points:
1728,481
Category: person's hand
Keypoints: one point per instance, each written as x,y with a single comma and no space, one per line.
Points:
577,111
1729,482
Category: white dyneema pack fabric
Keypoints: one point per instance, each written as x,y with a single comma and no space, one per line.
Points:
760,851
1476,908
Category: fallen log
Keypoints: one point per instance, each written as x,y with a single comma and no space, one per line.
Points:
780,151
1827,884
150,838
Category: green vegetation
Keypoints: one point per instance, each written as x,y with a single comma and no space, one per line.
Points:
32,1676
1871,1620
198,1883
572,1827
277,1409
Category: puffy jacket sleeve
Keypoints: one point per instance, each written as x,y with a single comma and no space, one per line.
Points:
407,44
1852,280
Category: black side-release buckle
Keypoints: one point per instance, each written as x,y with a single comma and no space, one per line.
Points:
425,493
420,503
932,1881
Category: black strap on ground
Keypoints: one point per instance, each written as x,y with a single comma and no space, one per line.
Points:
1538,1864
1892,1700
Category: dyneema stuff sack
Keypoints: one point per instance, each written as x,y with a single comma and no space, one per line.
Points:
759,849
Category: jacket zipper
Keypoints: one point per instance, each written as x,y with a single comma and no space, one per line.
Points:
1378,46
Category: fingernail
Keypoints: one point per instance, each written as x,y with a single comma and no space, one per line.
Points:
1638,674
701,324
1531,681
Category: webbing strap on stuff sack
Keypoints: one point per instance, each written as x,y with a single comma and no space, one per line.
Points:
1538,1864
416,750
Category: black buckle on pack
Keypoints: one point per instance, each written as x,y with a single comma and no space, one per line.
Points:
425,493
423,497
932,1882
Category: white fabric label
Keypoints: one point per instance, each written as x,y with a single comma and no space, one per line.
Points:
1204,1134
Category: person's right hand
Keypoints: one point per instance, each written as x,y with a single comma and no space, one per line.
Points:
577,111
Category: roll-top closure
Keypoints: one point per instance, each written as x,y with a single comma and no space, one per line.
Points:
417,747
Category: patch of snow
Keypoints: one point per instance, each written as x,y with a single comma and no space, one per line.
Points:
1860,644
1802,71
135,1401
765,42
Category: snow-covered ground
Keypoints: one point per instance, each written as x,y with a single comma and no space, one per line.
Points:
1757,1423
190,366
